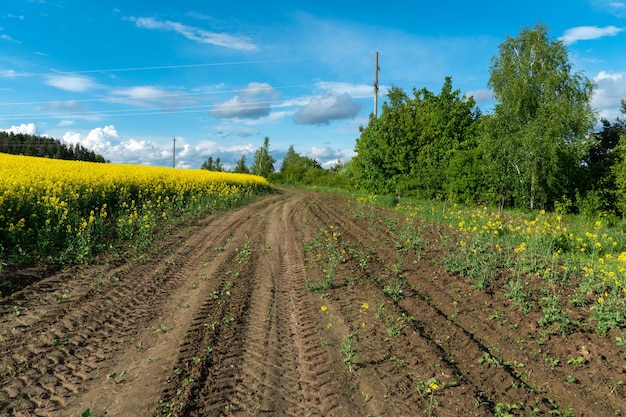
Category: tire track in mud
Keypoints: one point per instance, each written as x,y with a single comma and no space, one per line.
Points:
229,327
57,347
431,335
270,360
501,372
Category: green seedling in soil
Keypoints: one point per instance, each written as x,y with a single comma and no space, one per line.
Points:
579,361
211,326
491,360
243,253
349,349
552,362
16,311
395,290
87,413
503,410
233,273
397,361
62,297
429,388
115,377
161,329
97,285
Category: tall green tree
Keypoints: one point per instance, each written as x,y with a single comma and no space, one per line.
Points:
619,168
212,165
295,167
241,167
541,122
263,162
408,149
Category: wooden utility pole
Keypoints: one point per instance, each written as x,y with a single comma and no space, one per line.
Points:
174,153
376,69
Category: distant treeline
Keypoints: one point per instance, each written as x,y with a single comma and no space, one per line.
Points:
32,145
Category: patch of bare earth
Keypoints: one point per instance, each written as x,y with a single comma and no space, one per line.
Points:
229,317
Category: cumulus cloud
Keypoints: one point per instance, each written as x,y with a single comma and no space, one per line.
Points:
97,140
25,128
611,87
73,83
107,142
481,96
254,102
322,109
196,34
583,33
113,146
329,157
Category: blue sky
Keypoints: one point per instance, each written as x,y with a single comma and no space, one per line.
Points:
126,77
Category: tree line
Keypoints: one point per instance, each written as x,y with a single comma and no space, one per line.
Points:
295,169
536,150
34,145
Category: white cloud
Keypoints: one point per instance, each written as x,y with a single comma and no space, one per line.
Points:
109,143
329,157
354,90
254,102
611,88
141,92
323,109
73,83
617,8
25,128
7,38
481,95
143,96
97,140
196,34
70,105
8,73
588,32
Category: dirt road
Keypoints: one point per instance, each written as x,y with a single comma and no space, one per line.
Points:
299,304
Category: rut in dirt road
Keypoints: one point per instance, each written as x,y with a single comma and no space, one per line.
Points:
258,339
298,304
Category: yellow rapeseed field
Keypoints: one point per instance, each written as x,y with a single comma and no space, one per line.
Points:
51,207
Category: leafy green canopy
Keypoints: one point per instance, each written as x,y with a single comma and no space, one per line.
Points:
540,127
408,149
263,162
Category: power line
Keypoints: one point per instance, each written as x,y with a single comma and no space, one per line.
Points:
152,97
150,111
215,64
